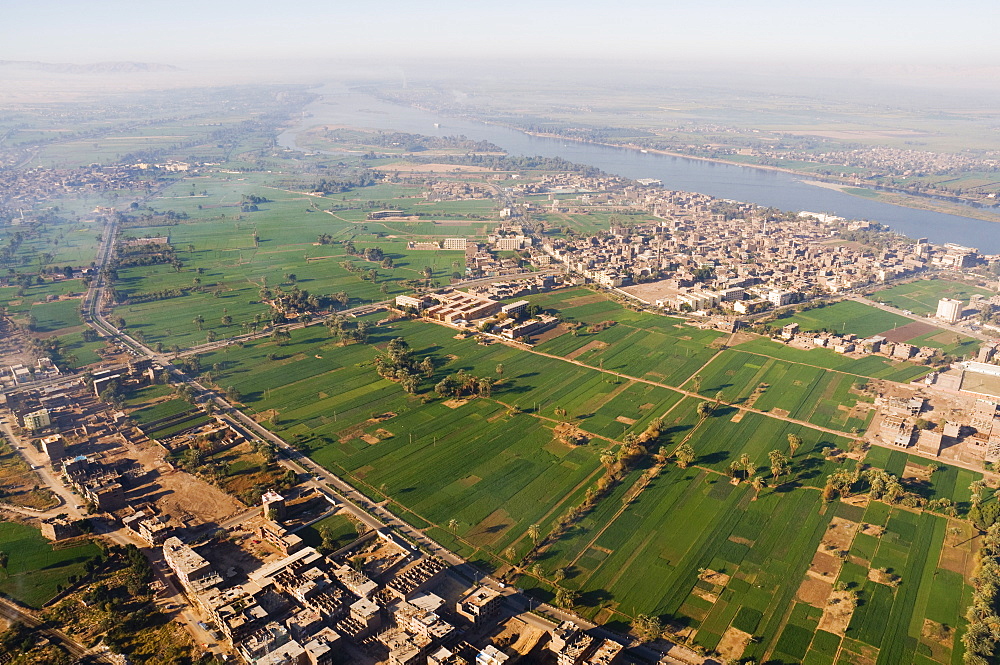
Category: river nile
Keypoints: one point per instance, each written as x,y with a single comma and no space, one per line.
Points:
777,189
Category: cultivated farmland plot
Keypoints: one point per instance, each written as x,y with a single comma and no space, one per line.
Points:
921,296
35,569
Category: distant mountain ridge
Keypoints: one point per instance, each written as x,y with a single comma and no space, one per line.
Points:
93,68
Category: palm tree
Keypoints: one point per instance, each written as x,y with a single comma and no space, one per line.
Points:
500,370
535,533
696,382
199,321
705,410
565,598
559,575
453,525
510,554
684,455
647,628
977,487
778,463
794,441
758,484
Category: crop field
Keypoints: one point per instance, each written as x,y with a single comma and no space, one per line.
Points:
717,564
35,568
69,238
921,296
725,436
947,482
647,346
949,342
846,316
53,316
165,409
341,532
803,392
77,353
20,301
226,271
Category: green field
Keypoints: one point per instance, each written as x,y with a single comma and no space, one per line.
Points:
846,316
921,296
35,568
227,270
687,521
495,473
812,394
341,532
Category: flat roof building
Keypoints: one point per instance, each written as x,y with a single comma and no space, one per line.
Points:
949,310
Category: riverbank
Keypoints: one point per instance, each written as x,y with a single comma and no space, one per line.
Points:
915,202
908,201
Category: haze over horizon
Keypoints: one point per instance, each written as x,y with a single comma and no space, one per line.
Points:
716,31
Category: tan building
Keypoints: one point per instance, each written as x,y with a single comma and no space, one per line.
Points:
459,306
54,448
479,604
191,569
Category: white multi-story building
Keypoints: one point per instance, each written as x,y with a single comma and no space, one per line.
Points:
949,310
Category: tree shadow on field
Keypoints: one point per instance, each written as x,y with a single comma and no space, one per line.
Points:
429,350
595,597
717,457
526,375
810,467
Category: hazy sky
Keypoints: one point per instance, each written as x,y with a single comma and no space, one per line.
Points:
178,31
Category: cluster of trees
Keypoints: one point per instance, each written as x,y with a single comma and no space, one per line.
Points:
346,331
149,218
250,202
365,275
52,348
296,300
462,383
9,250
400,364
982,515
880,485
362,179
146,254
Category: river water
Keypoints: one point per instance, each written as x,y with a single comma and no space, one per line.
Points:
777,189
